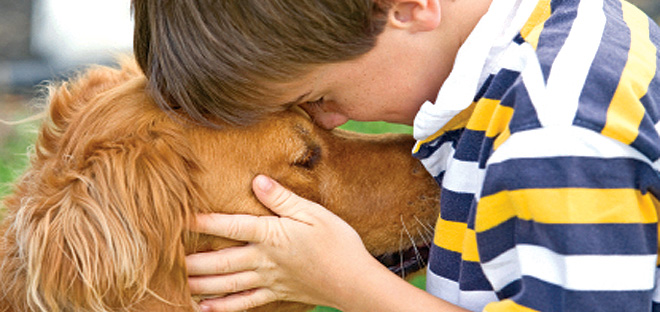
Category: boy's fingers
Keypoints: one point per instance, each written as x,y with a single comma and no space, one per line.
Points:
239,302
224,284
244,228
227,260
280,200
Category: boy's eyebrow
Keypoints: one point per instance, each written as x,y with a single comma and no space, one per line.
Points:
297,100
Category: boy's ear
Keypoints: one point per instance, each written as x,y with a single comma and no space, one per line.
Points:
415,15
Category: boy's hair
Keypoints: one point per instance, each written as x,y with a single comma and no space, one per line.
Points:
221,58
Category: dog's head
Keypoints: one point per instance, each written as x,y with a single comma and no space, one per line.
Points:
99,220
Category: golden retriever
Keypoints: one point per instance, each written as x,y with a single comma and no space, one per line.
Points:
99,220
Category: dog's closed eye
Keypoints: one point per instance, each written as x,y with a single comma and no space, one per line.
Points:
310,157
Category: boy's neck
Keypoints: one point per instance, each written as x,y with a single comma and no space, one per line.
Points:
463,15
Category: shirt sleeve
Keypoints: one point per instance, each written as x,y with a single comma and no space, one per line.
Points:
567,221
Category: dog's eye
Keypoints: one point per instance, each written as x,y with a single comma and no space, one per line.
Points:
309,158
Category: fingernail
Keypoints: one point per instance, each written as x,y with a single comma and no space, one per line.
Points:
204,308
263,183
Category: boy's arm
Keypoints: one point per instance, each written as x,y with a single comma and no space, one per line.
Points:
326,263
567,221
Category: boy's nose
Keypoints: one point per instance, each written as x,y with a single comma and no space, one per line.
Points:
324,119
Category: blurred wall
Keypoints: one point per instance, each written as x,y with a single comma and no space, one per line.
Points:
43,39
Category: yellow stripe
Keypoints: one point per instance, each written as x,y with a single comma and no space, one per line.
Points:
499,121
483,113
450,235
506,305
566,206
456,237
501,138
470,251
532,29
626,111
457,122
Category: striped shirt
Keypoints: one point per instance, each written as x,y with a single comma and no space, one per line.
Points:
545,141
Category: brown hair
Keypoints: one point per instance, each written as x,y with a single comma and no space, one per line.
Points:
221,58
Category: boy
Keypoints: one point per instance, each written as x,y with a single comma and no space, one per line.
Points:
536,117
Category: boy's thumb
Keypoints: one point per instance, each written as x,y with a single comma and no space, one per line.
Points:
280,200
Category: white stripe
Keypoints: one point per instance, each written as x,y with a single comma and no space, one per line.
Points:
656,291
571,66
576,272
503,270
449,290
437,162
515,58
656,164
532,77
463,176
563,141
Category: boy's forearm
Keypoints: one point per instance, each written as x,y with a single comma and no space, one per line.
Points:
377,289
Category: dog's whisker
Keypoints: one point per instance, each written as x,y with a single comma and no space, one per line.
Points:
414,244
427,227
401,249
427,234
424,236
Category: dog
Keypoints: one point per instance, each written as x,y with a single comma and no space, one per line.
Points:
99,221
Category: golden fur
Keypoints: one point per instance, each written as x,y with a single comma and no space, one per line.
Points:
98,221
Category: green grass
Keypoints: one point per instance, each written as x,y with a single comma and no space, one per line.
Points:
376,127
17,141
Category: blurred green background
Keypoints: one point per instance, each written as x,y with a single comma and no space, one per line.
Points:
18,101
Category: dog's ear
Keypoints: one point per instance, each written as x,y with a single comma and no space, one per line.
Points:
68,98
105,230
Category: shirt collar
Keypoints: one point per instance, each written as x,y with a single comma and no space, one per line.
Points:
496,29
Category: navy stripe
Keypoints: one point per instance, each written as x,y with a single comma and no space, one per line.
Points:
510,290
472,277
656,307
455,205
449,265
565,172
554,4
651,100
554,33
503,81
472,216
497,240
570,239
605,72
524,114
486,151
590,239
518,39
468,146
647,140
444,263
439,178
484,88
427,149
543,296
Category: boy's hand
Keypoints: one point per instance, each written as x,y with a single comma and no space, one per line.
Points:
307,254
